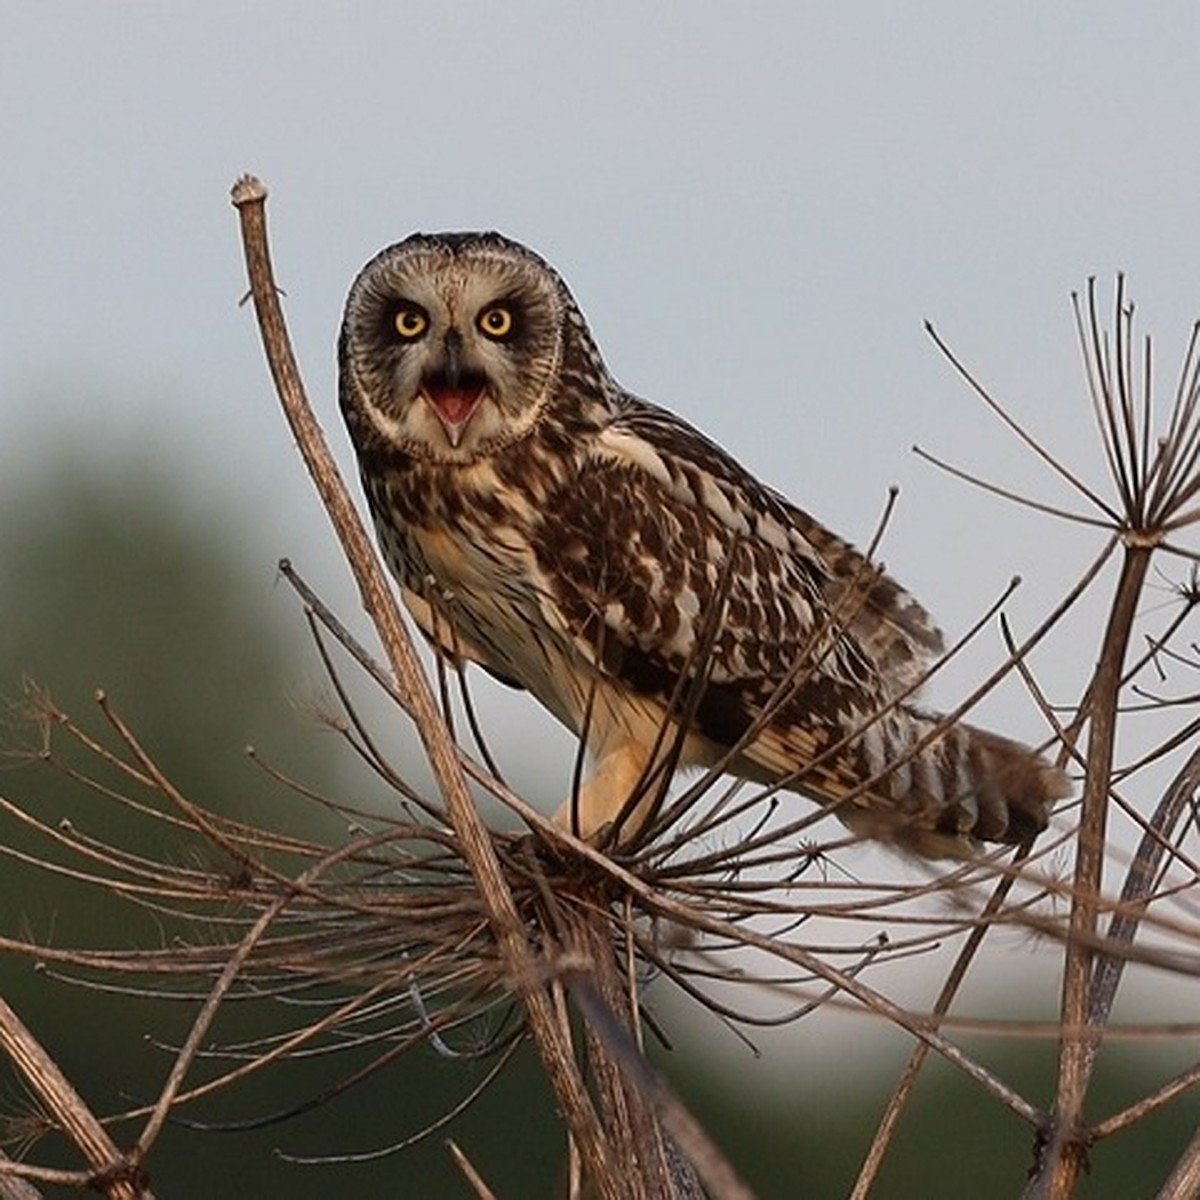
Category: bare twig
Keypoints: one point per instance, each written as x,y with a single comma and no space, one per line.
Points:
719,1177
119,1176
12,1188
472,1176
249,197
1067,1145
889,1122
1184,1181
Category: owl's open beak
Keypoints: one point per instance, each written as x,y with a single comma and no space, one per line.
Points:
454,406
453,391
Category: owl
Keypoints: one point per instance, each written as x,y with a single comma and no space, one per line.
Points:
596,550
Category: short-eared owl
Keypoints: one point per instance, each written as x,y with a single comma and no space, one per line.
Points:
597,550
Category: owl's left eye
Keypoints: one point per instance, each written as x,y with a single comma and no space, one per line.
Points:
410,321
497,321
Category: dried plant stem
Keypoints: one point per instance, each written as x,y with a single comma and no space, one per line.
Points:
651,1128
224,981
1147,1104
1064,1155
249,197
1184,1183
113,1173
12,1188
664,905
888,1123
472,1176
636,1136
617,1052
1139,887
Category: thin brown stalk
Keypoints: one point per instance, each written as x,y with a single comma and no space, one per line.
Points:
666,906
249,197
1112,384
472,1176
713,1168
117,1175
12,1188
1184,1181
1077,1055
1023,435
890,1120
1139,885
1171,1090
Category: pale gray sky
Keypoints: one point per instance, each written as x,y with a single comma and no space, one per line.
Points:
756,205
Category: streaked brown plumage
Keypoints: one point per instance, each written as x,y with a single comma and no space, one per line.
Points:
580,542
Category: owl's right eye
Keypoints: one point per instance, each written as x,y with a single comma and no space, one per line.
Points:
410,321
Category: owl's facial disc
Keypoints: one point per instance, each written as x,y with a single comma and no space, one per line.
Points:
451,346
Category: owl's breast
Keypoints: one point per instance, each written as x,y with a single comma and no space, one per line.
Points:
460,548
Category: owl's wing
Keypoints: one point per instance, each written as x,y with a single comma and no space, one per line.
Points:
661,533
661,541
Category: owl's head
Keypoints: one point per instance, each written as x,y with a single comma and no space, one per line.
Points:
452,344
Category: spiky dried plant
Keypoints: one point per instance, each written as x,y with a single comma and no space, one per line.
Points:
426,928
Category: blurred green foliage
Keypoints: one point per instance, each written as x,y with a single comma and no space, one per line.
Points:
113,581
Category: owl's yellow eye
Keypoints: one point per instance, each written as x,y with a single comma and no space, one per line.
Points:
496,322
410,321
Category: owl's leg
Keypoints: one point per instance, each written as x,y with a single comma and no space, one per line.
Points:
615,775
629,739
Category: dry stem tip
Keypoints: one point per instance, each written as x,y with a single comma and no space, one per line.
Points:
247,190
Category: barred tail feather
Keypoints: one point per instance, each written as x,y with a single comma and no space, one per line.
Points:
1012,787
963,784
